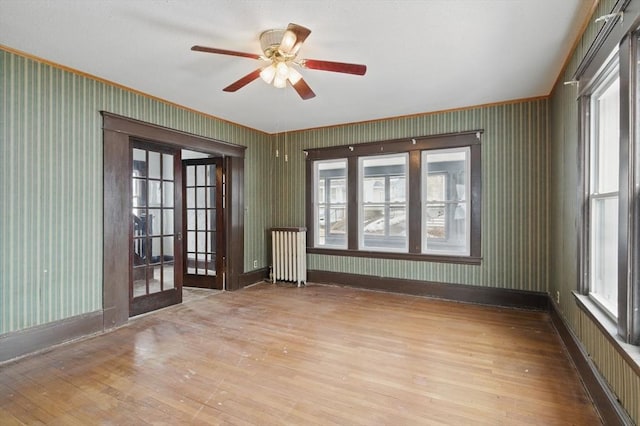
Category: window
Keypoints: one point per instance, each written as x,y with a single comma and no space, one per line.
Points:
604,170
609,241
402,199
331,198
445,194
383,202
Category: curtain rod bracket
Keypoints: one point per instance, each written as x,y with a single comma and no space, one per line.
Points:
606,18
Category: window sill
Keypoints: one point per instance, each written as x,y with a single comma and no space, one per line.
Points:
464,260
609,328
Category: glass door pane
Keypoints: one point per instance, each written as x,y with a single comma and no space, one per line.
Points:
202,211
153,224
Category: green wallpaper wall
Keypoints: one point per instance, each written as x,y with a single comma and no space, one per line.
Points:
51,194
51,186
564,210
514,193
50,253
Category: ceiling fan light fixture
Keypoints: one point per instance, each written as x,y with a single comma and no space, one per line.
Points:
279,81
268,73
288,41
282,70
294,75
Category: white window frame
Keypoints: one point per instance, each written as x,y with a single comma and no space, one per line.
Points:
467,196
608,76
317,203
387,204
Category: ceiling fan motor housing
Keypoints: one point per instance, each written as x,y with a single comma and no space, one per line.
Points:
270,42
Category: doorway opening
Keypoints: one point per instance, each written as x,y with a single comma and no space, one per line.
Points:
146,216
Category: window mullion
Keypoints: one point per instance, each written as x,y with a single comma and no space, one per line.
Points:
414,204
352,203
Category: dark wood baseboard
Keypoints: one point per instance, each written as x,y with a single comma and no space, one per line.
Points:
603,398
35,339
455,292
253,277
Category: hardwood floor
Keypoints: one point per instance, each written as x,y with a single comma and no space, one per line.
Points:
271,354
191,294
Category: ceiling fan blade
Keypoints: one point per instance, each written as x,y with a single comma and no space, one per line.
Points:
225,52
343,67
303,89
243,81
301,35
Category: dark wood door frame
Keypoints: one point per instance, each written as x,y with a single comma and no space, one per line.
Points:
118,132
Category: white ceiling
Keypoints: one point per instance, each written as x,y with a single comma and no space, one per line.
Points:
422,56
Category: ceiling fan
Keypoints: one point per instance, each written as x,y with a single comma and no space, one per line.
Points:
280,50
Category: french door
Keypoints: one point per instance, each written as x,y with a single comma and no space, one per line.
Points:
204,223
155,228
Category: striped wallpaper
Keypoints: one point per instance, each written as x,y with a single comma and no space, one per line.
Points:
514,193
51,194
564,211
51,162
51,186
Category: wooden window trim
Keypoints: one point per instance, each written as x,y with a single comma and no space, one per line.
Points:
622,34
414,147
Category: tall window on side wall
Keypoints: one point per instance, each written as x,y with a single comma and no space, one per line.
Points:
413,199
604,170
609,242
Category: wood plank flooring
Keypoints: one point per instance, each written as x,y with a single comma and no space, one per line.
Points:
273,354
